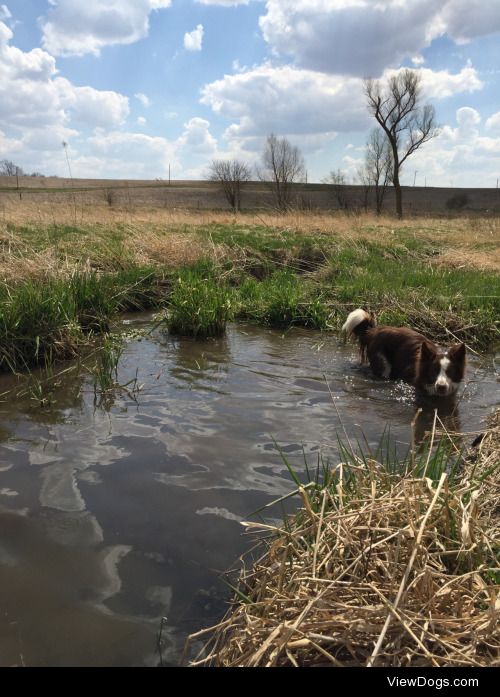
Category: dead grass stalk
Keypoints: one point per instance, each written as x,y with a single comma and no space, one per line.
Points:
377,569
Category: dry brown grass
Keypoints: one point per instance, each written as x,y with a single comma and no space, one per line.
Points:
465,231
144,245
155,233
469,258
377,570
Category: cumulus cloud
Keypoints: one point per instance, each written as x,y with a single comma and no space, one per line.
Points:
193,40
77,27
287,100
96,108
197,138
438,84
362,37
28,93
39,108
458,155
32,94
464,20
126,154
493,122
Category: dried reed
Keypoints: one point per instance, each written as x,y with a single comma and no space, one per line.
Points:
376,569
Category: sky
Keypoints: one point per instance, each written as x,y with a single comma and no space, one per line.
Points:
138,87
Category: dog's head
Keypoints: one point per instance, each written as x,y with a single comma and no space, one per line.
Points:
440,372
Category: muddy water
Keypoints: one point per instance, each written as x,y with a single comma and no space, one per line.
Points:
112,517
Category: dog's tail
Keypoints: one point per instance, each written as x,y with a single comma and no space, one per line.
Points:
358,323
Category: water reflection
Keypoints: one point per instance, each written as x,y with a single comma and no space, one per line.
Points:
115,518
205,369
436,413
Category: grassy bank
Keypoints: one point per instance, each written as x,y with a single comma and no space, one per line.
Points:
63,282
382,566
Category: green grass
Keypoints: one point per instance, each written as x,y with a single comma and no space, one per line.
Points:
42,320
199,305
282,300
38,322
274,277
105,368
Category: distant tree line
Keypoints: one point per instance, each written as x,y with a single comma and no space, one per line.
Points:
404,124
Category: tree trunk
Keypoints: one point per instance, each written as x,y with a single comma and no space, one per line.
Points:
397,191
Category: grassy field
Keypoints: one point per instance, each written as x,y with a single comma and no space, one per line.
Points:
63,280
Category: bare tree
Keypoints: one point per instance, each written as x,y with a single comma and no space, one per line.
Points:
282,166
363,179
378,166
338,181
407,125
231,174
10,169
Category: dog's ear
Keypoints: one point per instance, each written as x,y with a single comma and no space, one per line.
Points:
427,351
457,352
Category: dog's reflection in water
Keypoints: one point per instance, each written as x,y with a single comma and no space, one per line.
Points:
435,413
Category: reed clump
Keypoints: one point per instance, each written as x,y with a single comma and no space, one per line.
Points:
376,569
281,300
48,319
199,305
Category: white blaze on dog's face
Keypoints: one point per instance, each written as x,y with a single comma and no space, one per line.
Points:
443,384
441,373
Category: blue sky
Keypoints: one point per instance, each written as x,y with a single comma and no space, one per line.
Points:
136,86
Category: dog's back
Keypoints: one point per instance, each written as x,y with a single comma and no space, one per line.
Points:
393,352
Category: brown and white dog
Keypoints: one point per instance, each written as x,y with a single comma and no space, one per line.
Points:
404,354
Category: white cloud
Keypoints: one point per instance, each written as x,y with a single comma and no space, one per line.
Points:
4,12
193,40
125,154
467,119
197,138
287,101
458,156
493,122
33,95
468,19
91,107
363,37
349,37
144,100
77,27
39,109
141,120
438,84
